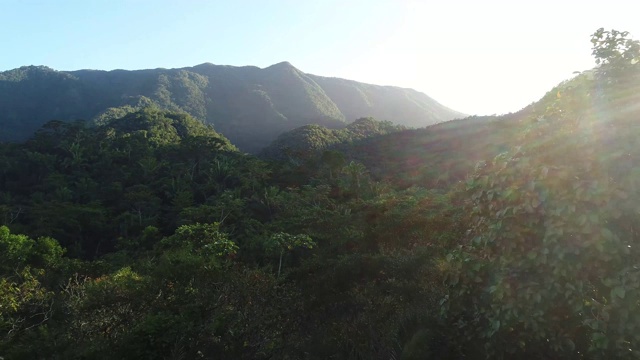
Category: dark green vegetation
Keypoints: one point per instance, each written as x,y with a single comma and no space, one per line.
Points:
150,236
250,106
308,141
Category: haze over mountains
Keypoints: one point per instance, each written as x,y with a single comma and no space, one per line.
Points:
249,105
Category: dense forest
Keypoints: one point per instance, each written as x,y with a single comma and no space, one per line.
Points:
149,235
248,105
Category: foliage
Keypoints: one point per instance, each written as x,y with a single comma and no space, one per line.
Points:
27,266
548,269
282,242
203,238
616,54
307,142
170,235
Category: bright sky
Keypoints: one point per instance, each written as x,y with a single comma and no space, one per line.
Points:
478,57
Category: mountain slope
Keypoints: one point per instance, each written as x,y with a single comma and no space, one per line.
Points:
249,105
310,140
406,106
441,154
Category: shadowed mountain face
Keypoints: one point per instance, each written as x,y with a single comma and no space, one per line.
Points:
249,105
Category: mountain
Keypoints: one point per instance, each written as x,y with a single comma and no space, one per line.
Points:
249,105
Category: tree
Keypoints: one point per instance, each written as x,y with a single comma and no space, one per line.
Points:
355,171
333,160
283,242
618,71
26,303
206,239
614,52
144,204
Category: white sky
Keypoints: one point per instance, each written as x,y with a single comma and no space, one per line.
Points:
490,56
477,57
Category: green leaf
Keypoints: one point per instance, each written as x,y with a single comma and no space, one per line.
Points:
618,291
496,325
569,344
606,233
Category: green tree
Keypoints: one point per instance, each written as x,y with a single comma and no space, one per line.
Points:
26,302
333,160
355,171
281,243
202,238
615,53
618,71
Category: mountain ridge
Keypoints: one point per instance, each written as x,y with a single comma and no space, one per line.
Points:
248,104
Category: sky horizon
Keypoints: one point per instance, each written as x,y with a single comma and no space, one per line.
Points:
483,58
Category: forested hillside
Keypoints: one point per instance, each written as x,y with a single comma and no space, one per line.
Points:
396,155
249,105
151,236
305,142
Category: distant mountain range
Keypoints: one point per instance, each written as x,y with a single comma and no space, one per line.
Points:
249,105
